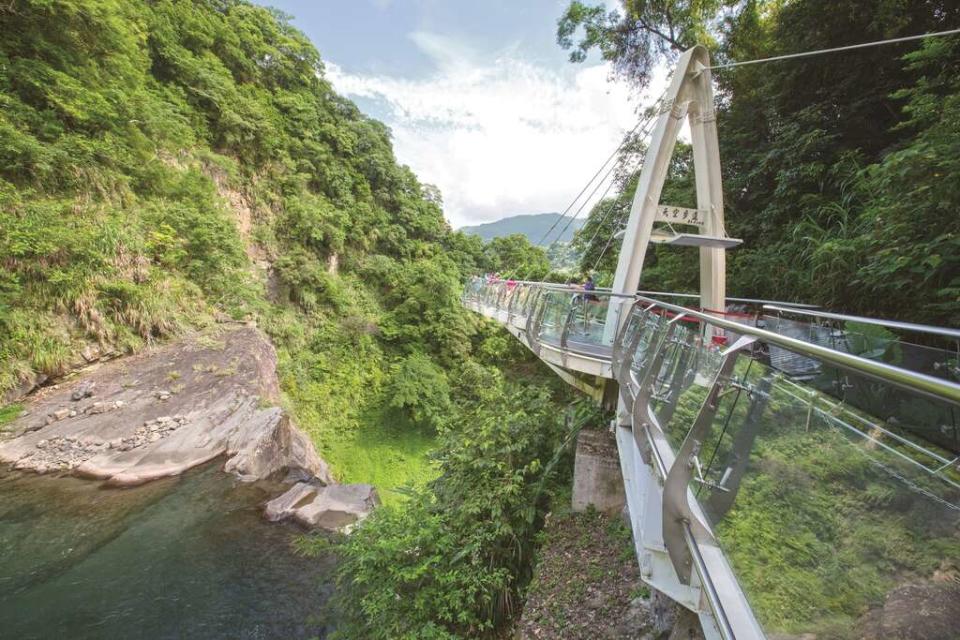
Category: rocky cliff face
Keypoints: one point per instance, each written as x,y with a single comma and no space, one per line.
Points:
164,411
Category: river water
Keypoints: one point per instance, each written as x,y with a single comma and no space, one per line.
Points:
189,557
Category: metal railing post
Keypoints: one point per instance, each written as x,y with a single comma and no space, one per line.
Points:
533,321
513,297
677,511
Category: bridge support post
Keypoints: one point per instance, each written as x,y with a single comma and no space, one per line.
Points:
596,473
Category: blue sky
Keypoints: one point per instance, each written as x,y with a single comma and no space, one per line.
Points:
373,36
480,99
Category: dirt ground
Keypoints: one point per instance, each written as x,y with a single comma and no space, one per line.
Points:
586,584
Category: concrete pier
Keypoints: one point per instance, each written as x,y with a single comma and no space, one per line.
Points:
596,473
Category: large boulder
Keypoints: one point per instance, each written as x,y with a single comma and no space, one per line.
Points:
167,410
335,507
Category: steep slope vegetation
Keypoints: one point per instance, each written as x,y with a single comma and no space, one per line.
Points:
172,164
165,165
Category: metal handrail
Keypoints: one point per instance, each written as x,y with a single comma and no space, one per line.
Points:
792,305
890,324
579,289
671,294
912,381
709,587
718,583
938,388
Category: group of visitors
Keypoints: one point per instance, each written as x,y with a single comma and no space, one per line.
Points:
587,285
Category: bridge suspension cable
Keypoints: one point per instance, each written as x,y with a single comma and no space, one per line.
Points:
603,219
817,52
649,122
585,201
645,123
589,182
613,234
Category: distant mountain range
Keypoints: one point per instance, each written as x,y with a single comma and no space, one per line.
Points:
534,226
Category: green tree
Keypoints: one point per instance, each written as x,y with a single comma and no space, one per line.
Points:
419,391
636,40
815,148
516,257
453,562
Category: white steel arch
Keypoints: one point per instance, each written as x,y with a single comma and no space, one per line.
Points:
690,94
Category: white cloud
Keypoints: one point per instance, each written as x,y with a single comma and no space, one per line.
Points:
498,135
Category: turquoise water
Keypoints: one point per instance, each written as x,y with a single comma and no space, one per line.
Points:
180,558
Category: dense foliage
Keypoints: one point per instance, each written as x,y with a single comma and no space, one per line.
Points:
453,561
515,257
170,164
166,162
840,170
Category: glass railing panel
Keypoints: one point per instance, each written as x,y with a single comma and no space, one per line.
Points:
485,294
556,306
683,382
503,298
484,291
909,415
473,290
518,301
634,323
913,417
587,323
940,359
637,364
532,310
653,330
531,299
495,290
820,509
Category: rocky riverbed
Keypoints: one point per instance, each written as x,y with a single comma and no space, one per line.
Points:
169,409
69,452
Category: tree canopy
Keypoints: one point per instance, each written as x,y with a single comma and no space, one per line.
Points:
838,169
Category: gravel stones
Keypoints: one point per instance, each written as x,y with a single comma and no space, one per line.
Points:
60,453
587,584
57,454
96,408
154,430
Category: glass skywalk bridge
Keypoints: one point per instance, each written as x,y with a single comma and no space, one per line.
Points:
772,502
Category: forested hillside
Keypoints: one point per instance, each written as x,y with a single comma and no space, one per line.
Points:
167,166
840,171
534,227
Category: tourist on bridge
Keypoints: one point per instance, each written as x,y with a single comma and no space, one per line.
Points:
588,286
